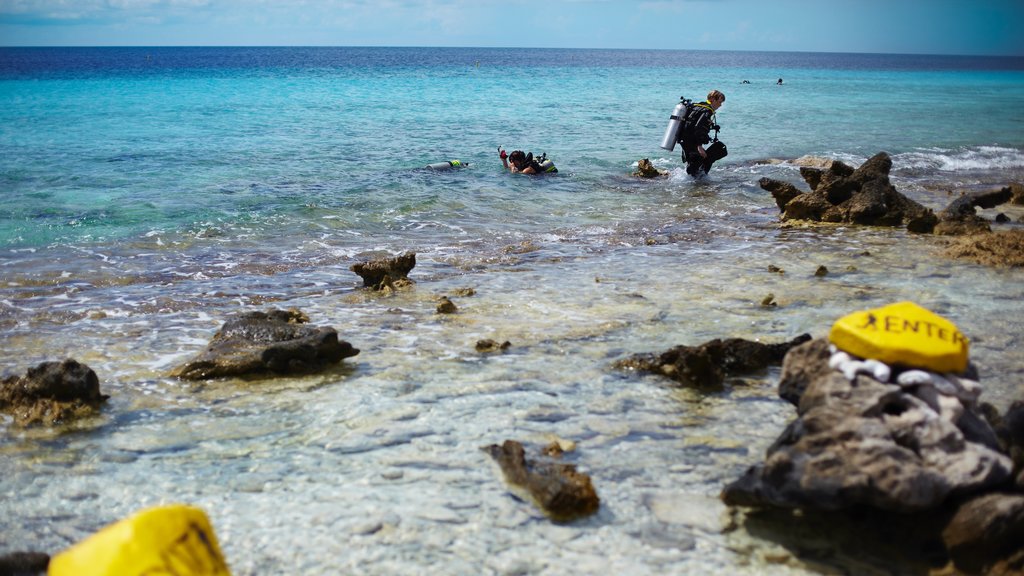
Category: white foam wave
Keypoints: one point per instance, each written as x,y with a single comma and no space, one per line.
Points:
975,158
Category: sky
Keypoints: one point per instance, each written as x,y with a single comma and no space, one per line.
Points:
971,27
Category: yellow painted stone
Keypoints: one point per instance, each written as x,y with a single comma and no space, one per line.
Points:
175,539
902,333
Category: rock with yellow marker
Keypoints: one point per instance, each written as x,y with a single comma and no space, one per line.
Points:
903,334
175,539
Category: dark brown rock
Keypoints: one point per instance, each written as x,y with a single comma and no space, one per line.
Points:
706,366
557,488
488,345
446,306
51,393
386,272
986,536
24,564
261,343
960,218
857,196
783,192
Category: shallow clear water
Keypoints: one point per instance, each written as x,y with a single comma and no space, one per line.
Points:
150,193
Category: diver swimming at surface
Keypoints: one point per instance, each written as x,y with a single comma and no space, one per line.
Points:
525,163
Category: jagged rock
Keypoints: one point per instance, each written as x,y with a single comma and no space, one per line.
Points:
783,192
707,365
1002,249
645,169
388,273
841,194
557,488
960,218
51,393
868,443
258,343
802,365
986,536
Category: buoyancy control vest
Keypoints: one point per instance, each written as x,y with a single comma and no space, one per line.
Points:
697,124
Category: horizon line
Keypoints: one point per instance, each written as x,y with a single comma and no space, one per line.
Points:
931,54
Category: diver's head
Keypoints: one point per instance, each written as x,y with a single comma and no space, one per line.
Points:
518,158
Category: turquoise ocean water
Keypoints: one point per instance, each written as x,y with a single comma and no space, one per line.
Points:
147,193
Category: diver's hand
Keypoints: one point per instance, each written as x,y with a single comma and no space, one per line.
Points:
501,153
700,150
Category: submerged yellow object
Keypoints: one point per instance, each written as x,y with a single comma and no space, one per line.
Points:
174,539
905,334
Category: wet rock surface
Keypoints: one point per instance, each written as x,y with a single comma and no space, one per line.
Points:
555,487
916,452
841,194
386,273
51,393
999,249
706,366
960,217
645,169
986,535
262,343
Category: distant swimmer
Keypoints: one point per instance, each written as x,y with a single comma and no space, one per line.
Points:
745,82
524,163
779,82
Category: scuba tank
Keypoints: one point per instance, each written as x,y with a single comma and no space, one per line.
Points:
451,164
546,166
675,121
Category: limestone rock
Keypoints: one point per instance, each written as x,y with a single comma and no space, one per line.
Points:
841,194
555,487
1000,249
706,366
986,536
51,393
646,169
960,218
388,273
261,343
868,443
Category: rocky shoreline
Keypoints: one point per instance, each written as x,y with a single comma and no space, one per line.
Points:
864,451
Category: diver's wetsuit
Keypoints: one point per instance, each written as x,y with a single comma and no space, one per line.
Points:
696,131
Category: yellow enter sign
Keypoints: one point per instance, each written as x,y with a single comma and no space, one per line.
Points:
905,334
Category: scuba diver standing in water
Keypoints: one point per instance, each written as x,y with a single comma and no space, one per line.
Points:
520,162
693,132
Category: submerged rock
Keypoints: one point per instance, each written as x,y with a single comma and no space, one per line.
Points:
841,194
555,487
489,345
51,393
386,273
1000,249
257,343
706,366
